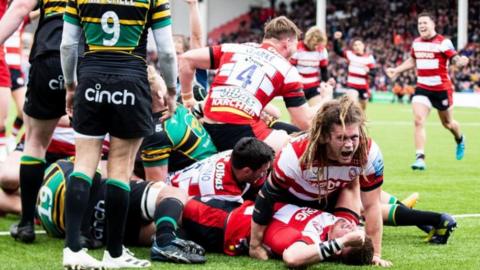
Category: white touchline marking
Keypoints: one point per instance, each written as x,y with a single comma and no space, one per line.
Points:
466,215
410,123
8,233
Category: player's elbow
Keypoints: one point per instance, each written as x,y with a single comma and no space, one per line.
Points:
292,259
166,55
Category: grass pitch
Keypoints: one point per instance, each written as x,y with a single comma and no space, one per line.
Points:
447,185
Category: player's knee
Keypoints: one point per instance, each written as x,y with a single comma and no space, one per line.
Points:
9,182
419,121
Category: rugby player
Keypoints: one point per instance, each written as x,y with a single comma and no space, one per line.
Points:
112,96
325,169
232,175
299,235
146,210
248,77
430,55
177,142
311,61
44,102
361,68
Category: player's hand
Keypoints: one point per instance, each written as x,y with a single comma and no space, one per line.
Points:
337,35
258,252
267,118
171,104
461,61
391,73
377,261
152,74
188,100
70,89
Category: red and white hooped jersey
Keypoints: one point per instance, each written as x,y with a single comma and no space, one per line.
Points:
212,178
431,59
248,77
289,224
358,67
303,184
13,47
308,64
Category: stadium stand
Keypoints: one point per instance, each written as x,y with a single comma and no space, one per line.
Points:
388,34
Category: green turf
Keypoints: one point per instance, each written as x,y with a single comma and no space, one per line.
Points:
447,185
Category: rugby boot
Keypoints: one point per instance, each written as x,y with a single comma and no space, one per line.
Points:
419,164
80,260
411,200
460,151
126,260
24,233
178,250
444,229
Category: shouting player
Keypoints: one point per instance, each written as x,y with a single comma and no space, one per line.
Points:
326,169
430,54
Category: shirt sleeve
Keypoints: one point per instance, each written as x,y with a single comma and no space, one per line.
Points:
215,56
161,15
71,13
292,90
372,176
447,48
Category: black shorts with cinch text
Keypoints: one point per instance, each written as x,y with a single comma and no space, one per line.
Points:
116,104
45,96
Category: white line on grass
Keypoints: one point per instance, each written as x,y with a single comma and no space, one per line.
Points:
410,123
8,233
466,215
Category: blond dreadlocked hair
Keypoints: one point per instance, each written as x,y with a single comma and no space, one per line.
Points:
343,112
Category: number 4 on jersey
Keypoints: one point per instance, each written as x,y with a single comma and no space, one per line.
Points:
246,75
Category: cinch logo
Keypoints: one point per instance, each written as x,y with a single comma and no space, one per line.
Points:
99,222
56,84
116,97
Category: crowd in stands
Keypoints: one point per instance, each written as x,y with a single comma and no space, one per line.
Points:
387,28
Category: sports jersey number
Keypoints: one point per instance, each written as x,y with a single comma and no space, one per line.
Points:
247,76
110,28
45,206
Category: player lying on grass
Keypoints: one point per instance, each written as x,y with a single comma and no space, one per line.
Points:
300,236
149,214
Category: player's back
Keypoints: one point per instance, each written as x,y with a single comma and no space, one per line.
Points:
48,35
248,77
116,31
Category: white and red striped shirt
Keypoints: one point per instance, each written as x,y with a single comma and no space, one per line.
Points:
212,178
358,68
13,47
249,76
431,59
308,64
290,223
289,174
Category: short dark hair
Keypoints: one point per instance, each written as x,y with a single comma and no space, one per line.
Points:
362,255
426,14
252,153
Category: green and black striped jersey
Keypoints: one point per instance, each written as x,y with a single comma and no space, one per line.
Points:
118,25
48,35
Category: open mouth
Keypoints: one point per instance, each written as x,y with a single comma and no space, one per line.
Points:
347,153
